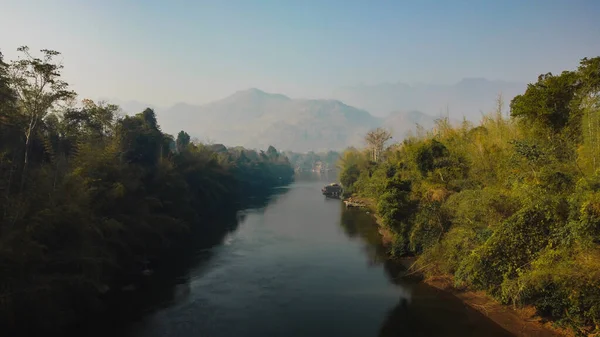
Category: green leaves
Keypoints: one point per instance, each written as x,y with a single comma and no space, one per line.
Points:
183,141
547,103
511,206
104,195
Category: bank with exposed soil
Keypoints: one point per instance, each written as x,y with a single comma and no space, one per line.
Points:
522,322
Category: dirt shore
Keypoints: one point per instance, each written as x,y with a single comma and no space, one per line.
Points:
522,322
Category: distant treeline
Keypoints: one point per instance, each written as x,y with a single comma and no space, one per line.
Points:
311,161
89,199
510,206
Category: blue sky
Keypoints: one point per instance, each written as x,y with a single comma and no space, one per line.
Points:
163,52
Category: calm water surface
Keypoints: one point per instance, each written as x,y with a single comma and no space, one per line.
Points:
301,266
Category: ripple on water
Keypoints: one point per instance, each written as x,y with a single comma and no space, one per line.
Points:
290,269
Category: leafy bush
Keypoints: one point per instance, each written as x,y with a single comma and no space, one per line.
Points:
89,198
511,206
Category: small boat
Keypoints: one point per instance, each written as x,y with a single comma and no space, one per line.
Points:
332,190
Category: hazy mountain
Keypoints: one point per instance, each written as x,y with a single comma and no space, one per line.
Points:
130,107
403,122
469,97
256,119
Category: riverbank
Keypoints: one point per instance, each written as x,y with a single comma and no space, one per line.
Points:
522,322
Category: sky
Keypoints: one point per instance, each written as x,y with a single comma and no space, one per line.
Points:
163,52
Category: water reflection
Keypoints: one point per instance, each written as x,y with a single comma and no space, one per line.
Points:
433,312
178,288
322,177
425,311
171,284
295,268
359,225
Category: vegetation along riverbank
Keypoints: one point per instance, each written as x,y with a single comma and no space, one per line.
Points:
510,207
91,199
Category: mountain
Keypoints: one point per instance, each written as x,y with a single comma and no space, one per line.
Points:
256,119
129,107
401,123
469,97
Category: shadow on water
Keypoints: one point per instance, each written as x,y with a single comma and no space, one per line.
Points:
290,270
170,284
427,311
432,312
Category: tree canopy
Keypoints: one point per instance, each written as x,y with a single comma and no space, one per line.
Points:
89,196
510,206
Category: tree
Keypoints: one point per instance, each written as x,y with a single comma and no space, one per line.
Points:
38,87
376,140
8,112
7,94
141,139
183,140
272,152
93,121
547,103
589,151
589,73
10,137
104,196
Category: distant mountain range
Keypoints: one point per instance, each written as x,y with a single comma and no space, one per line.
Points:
256,119
469,98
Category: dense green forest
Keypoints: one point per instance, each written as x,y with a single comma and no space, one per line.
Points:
89,198
312,161
510,206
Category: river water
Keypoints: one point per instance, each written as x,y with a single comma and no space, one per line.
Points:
301,265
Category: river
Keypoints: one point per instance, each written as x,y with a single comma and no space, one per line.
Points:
300,265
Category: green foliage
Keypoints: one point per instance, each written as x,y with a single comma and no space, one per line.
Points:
510,249
183,141
511,206
350,175
431,155
548,103
89,198
351,164
311,161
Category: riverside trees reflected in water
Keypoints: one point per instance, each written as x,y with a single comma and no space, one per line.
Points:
170,285
297,265
424,311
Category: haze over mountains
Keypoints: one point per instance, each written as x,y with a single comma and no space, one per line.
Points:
469,97
256,119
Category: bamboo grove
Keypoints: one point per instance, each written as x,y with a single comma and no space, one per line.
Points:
88,196
510,206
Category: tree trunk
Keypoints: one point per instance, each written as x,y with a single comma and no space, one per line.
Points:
26,161
7,196
28,134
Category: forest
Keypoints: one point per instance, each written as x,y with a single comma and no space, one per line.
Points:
510,206
89,198
311,161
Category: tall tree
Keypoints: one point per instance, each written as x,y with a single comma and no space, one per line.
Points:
141,138
376,140
272,152
547,103
39,88
589,73
10,142
183,140
7,95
